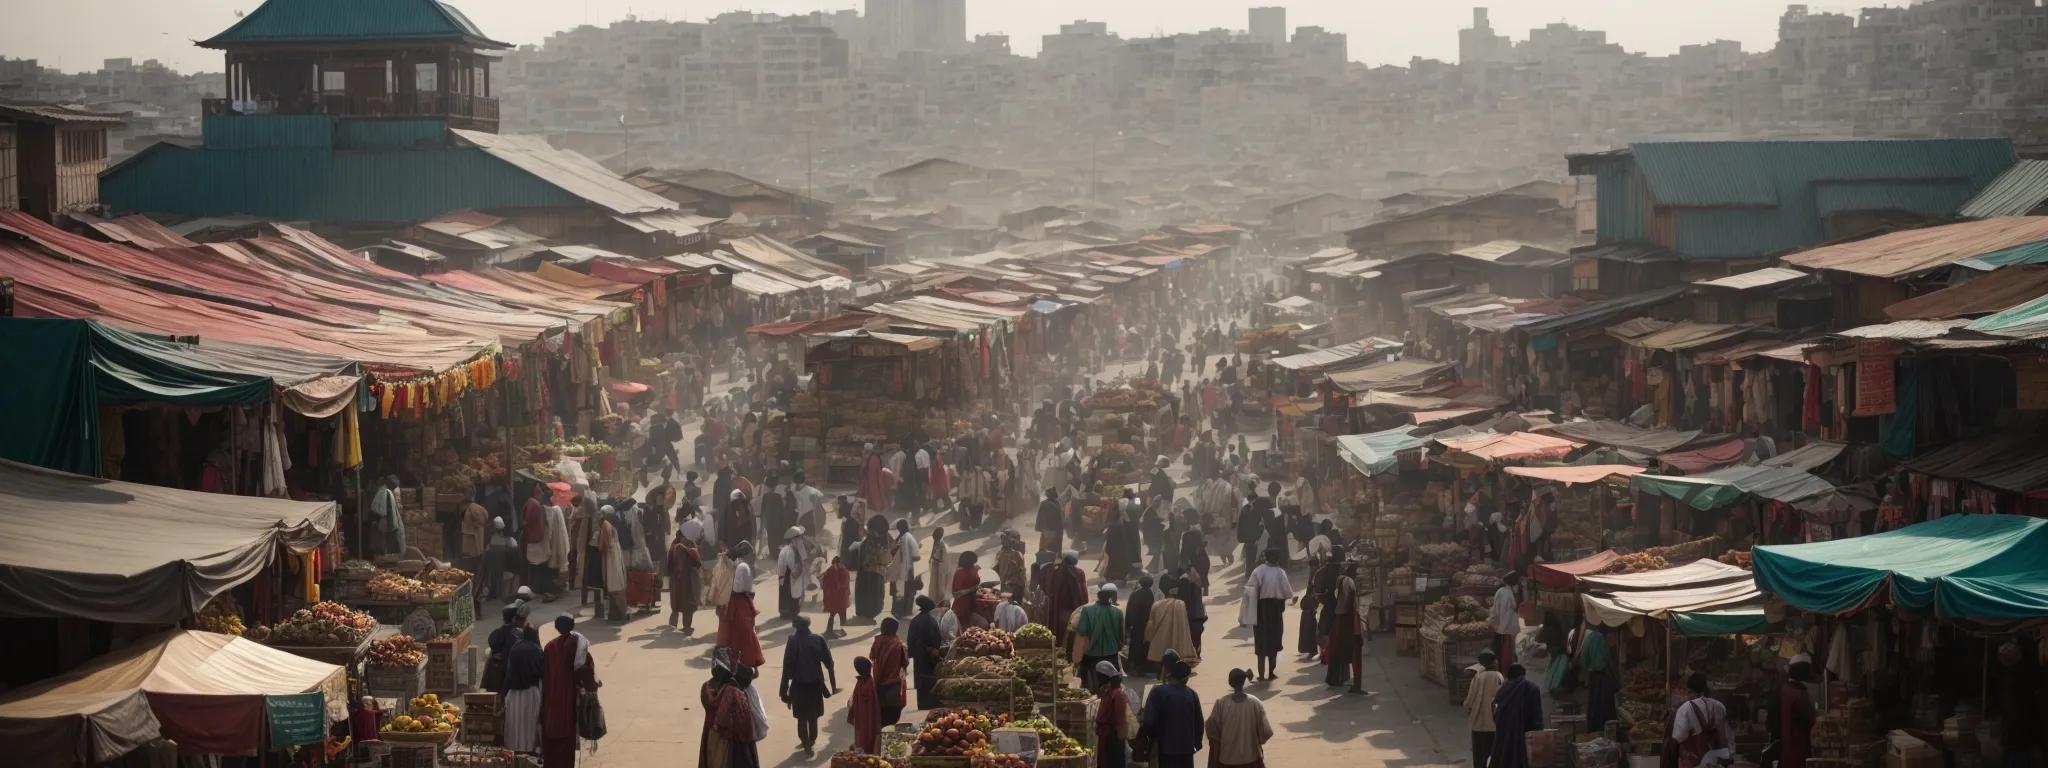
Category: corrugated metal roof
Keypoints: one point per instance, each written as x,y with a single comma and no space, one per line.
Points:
1602,311
1749,199
2030,253
1626,252
2017,192
1904,330
1905,253
1992,293
2027,320
573,173
1689,335
40,112
1756,279
301,21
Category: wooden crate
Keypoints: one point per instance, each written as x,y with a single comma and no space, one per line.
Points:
1432,653
1407,615
1460,683
1407,641
481,728
427,538
400,684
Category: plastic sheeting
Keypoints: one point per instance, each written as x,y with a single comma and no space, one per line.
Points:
1564,575
135,554
206,691
1516,445
1618,608
1376,453
1725,486
1575,474
1973,567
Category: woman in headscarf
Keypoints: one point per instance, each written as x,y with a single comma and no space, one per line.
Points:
863,711
611,552
721,493
736,618
524,668
1137,618
1341,614
710,750
642,585
891,657
875,481
966,590
1114,722
734,723
738,524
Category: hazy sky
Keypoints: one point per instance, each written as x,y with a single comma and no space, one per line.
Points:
1382,31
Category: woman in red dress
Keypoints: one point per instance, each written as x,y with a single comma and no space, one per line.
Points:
966,592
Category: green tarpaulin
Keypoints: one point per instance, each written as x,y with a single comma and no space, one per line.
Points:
1721,487
1979,567
1744,620
1376,453
53,417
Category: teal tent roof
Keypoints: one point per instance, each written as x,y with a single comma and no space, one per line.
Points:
1975,567
1376,453
1739,620
2026,320
351,21
53,418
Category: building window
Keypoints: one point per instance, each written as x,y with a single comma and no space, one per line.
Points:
84,146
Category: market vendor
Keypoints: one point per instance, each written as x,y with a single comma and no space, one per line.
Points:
387,519
966,591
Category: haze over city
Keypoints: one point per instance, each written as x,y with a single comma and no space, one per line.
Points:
1381,31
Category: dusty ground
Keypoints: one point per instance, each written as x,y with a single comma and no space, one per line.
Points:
652,674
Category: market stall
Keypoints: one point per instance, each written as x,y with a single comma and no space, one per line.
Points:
213,694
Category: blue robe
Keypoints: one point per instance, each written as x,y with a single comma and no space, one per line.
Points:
1517,710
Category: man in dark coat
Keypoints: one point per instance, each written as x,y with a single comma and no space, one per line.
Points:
927,649
1172,722
1137,613
1517,710
1066,588
1051,523
567,669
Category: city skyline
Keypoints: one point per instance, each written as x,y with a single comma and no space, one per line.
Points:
1380,31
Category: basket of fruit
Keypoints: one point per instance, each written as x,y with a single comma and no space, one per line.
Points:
978,641
1073,705
858,760
1032,636
398,668
426,721
960,734
328,632
1001,761
222,615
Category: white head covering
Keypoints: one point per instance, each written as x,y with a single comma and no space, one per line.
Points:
1107,669
737,494
1109,587
793,532
497,523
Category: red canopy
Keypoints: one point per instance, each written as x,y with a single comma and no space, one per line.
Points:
1564,575
1694,462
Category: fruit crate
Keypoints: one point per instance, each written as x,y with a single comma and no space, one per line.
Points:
1433,664
441,659
338,655
483,702
1077,761
1407,641
401,684
481,728
1407,615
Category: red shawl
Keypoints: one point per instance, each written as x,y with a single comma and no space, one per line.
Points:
836,585
873,484
966,578
865,715
559,683
731,718
889,656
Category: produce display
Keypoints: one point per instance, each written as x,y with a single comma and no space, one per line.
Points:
1000,761
1439,559
222,615
858,760
387,585
1051,741
979,667
430,708
1034,633
1647,732
1639,562
953,734
1389,524
967,689
321,624
1046,669
398,652
1074,694
1463,618
477,758
1484,576
361,569
1687,552
977,641
1739,558
451,576
460,475
1401,575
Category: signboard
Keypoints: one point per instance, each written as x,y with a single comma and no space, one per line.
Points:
1022,742
295,719
1876,384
